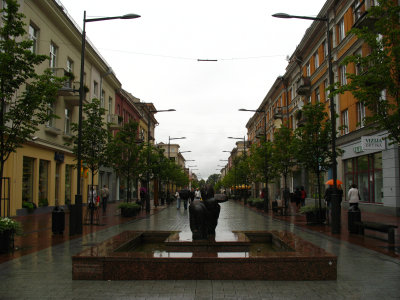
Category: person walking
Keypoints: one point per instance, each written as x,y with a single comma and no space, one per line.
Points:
297,197
104,197
354,196
178,200
197,194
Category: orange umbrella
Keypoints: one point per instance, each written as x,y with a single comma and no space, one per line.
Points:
330,182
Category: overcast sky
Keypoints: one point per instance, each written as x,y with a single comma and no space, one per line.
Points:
155,59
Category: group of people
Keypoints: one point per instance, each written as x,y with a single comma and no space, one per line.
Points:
94,200
300,197
187,196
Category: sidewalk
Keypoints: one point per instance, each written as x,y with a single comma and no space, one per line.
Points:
372,240
38,233
47,274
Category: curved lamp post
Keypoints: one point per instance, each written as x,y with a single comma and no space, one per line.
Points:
335,228
75,226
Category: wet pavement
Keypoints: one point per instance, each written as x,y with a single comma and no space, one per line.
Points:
41,268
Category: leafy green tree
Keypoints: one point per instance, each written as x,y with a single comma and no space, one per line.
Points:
312,142
25,96
379,71
124,154
213,179
283,154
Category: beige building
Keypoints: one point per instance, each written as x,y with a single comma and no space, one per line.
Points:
43,170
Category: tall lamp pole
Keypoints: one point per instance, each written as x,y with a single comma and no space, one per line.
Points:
148,153
335,228
75,225
266,200
169,158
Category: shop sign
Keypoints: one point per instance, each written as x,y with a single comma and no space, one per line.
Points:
358,149
372,142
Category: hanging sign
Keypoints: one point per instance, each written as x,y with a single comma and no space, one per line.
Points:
372,142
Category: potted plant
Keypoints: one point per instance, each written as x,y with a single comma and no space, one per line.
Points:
314,215
8,228
129,209
30,206
43,202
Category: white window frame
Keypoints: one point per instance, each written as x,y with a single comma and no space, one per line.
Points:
110,102
317,95
343,77
326,84
308,70
360,114
342,32
316,60
70,65
67,121
102,97
33,32
53,55
95,88
345,122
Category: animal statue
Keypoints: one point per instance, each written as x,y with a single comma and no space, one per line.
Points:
204,214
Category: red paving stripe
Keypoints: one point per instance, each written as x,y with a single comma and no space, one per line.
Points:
38,233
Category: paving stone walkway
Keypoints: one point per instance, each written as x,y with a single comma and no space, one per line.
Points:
46,274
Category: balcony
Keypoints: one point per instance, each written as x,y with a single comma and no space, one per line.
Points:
361,18
115,121
278,113
52,130
304,86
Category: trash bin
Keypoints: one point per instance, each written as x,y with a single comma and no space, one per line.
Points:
354,215
58,220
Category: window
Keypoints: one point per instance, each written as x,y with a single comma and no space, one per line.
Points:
341,32
43,179
118,110
53,55
366,172
360,115
95,88
110,104
67,121
326,89
27,178
68,183
345,122
383,95
316,60
343,77
33,36
103,94
50,110
70,65
325,49
317,96
308,70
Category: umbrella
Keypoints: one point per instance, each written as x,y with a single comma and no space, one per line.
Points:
330,182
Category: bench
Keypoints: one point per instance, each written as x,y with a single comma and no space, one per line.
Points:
389,229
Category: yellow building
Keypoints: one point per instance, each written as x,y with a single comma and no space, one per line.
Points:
43,170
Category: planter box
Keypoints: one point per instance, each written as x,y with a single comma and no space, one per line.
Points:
6,241
315,217
128,212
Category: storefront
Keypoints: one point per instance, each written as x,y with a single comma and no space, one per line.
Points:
372,163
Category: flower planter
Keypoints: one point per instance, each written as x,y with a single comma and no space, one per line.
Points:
6,241
316,217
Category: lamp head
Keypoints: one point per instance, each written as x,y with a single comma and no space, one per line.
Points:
129,16
282,16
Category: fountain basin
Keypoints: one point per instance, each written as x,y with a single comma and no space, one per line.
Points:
239,255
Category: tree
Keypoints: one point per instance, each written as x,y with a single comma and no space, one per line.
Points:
283,155
312,142
124,154
213,179
25,96
379,71
95,136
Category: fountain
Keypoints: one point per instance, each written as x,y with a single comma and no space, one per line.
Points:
203,255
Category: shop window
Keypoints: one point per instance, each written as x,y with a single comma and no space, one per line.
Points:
366,172
43,179
68,183
27,178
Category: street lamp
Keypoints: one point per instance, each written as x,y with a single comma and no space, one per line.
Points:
335,211
169,158
266,192
148,154
75,226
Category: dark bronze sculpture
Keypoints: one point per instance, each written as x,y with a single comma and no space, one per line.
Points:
204,214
